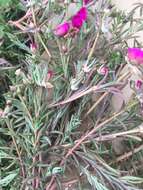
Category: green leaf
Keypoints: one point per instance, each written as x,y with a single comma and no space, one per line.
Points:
4,3
1,31
5,155
6,180
94,182
56,170
132,179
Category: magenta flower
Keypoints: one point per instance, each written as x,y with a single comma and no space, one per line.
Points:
62,29
79,18
77,22
82,13
87,1
138,84
135,55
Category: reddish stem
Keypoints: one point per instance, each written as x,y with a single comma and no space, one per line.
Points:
51,185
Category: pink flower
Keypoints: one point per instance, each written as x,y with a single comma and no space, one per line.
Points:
33,47
87,1
135,55
79,18
77,22
138,84
103,70
62,29
50,74
82,13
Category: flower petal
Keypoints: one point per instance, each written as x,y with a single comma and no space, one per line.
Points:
82,13
77,22
87,1
135,54
62,29
79,18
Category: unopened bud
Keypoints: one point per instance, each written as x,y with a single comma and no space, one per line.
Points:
33,47
31,25
86,68
8,102
12,88
18,72
64,49
50,74
138,84
103,70
1,113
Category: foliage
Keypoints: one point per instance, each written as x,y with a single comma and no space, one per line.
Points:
57,124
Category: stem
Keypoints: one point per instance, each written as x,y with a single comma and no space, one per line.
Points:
16,147
128,154
51,186
89,134
104,95
45,47
30,117
93,47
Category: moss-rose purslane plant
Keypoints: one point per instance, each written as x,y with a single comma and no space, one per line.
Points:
58,120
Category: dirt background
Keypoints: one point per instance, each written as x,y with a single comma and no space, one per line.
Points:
126,5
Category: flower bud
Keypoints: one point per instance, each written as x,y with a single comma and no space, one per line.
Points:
8,102
33,47
50,74
1,113
86,68
12,88
18,72
87,1
64,49
103,70
138,84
